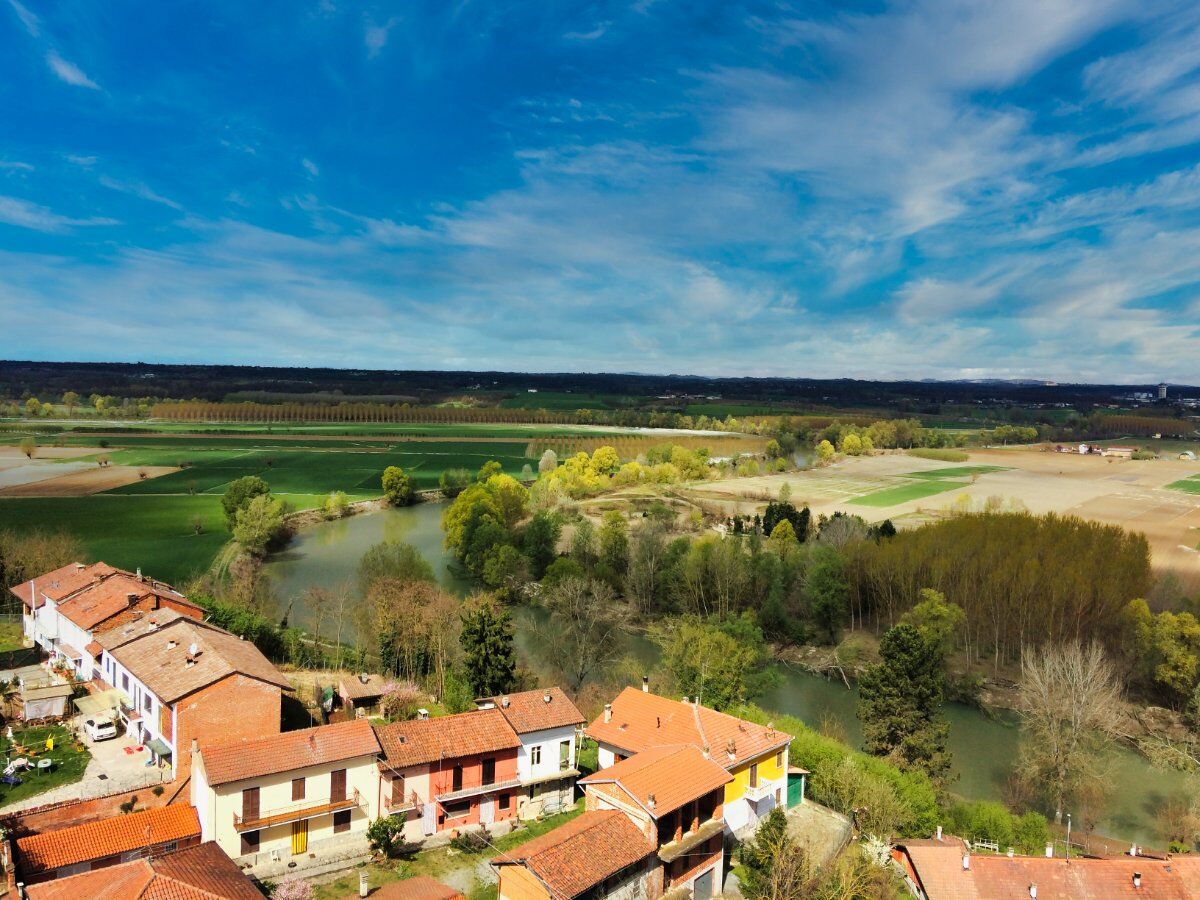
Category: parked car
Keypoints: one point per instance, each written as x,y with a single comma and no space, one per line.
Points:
100,729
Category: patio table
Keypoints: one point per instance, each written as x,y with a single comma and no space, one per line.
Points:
44,765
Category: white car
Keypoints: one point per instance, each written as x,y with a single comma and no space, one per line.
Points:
100,729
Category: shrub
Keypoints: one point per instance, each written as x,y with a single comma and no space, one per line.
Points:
472,841
292,888
400,701
385,834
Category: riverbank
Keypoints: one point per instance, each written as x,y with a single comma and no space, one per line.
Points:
992,693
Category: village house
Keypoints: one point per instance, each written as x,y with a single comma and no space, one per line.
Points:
201,872
187,679
419,887
755,755
652,827
104,843
449,773
288,795
64,610
546,722
944,868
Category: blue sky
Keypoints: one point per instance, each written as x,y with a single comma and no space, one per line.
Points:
919,189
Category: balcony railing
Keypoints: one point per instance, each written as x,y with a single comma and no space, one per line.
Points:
760,790
478,790
296,812
403,804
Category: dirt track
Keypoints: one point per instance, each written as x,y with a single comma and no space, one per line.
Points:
88,481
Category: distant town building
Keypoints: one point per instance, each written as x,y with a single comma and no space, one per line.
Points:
1162,391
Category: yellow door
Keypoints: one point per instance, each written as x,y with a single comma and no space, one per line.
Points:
300,837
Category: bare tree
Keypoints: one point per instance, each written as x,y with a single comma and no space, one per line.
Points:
583,637
1070,703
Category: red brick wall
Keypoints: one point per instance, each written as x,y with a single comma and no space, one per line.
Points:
54,816
236,708
680,871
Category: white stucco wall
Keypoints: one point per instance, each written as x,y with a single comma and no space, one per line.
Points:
549,740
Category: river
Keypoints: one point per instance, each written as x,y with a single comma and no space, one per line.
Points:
984,747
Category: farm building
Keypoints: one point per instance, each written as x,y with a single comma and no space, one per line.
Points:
1120,452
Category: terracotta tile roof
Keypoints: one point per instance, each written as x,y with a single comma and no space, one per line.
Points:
422,887
642,720
94,649
62,582
111,638
532,711
352,687
446,737
577,856
107,837
96,602
939,868
672,775
202,872
289,750
164,670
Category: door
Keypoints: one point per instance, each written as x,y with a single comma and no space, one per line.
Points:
300,837
250,804
337,785
487,811
702,887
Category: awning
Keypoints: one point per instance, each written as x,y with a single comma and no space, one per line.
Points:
70,652
45,693
99,704
158,747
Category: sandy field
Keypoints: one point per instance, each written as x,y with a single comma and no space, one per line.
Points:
1128,493
78,482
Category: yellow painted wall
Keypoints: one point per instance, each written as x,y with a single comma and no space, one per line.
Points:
518,883
767,771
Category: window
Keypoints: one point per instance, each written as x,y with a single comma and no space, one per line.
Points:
297,788
564,756
249,842
146,703
535,755
502,803
456,779
754,775
489,771
249,804
398,790
337,785
457,808
341,821
125,682
779,760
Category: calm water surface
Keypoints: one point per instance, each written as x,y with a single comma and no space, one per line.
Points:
984,747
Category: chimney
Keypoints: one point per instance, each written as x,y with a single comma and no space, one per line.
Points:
505,702
1049,851
658,722
1033,892
607,713
650,801
706,752
645,684
1137,880
152,625
966,861
193,649
1010,853
731,749
195,746
172,643
546,697
131,598
422,713
939,832
363,677
1133,851
79,567
139,574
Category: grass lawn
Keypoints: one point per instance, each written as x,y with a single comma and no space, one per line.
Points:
70,761
957,472
12,637
905,492
440,862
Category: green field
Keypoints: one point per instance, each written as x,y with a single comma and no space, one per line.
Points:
905,492
155,533
312,471
1189,485
957,472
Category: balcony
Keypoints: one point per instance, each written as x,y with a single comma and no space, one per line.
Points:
296,813
404,805
479,790
762,789
691,840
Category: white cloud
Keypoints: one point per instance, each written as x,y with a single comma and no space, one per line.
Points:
28,19
597,32
376,36
15,164
138,189
69,72
310,167
24,214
